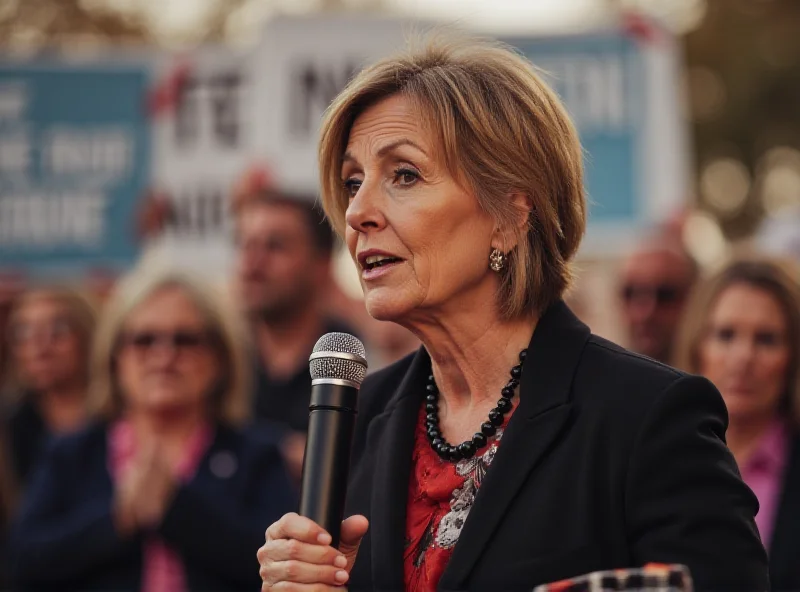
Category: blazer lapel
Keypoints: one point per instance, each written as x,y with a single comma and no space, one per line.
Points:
394,432
542,414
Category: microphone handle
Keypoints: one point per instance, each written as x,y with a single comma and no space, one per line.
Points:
326,464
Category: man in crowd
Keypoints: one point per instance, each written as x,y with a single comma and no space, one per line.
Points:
655,281
284,252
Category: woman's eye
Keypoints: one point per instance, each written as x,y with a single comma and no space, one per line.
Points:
767,338
352,186
725,334
406,177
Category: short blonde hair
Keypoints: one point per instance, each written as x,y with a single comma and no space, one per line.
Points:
777,278
232,405
501,130
81,313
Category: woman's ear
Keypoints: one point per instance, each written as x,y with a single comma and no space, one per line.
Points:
505,239
523,204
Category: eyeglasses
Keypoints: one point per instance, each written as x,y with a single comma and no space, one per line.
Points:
662,294
179,341
50,331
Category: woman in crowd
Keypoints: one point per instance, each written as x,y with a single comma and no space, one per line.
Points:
166,493
514,448
9,289
742,331
49,334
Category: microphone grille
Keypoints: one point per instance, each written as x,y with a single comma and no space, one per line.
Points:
338,356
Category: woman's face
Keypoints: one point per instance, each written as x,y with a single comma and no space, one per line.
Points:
421,243
166,361
746,351
46,346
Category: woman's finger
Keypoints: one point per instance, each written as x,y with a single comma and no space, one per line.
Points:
353,530
294,549
302,573
292,526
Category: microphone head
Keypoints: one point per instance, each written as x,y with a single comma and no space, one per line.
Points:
338,358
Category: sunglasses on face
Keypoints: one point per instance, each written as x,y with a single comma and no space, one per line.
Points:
660,294
146,341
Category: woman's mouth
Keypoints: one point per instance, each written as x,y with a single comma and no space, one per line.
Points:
377,261
376,265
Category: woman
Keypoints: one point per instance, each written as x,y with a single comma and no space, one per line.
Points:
9,289
742,332
50,334
514,448
166,493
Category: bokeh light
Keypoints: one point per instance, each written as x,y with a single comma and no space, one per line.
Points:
704,239
707,94
725,185
779,180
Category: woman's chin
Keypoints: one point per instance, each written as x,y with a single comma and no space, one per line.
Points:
745,414
166,404
385,309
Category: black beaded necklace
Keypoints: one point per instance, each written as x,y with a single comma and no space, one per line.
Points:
468,448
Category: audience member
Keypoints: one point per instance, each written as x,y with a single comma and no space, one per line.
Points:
655,281
50,333
165,493
742,331
8,498
10,287
284,248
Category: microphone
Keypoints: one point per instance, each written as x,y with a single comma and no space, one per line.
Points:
338,365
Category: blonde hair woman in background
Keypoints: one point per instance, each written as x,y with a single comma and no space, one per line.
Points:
514,448
165,492
742,331
50,332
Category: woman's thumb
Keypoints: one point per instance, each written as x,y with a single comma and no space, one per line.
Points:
353,530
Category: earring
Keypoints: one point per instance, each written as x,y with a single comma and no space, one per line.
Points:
497,261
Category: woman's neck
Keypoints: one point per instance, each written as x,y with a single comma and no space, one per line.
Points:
169,433
63,409
472,357
743,437
170,424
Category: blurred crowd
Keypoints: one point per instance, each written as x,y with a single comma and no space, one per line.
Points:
154,425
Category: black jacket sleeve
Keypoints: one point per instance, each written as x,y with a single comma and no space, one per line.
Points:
685,501
223,535
54,540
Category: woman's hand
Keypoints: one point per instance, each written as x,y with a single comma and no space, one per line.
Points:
144,492
297,554
157,488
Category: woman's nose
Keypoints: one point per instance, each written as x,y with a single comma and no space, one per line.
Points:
742,352
365,211
163,354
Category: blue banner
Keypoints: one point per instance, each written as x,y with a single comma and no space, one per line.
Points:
601,80
74,161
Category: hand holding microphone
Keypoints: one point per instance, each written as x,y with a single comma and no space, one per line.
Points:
316,547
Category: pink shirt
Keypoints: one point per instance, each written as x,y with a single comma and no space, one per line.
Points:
163,569
763,473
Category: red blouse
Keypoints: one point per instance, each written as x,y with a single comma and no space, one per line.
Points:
440,495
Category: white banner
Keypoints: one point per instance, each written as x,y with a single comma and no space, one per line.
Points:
203,135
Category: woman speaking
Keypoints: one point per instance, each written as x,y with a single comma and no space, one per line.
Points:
514,448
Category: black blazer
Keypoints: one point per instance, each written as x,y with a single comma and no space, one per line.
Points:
610,460
784,567
65,539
